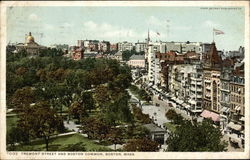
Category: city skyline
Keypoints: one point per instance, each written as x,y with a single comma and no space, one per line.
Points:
116,24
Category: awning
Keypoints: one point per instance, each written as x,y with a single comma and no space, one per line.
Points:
150,84
184,104
208,114
179,101
242,119
192,101
174,98
154,86
187,106
234,126
225,109
237,108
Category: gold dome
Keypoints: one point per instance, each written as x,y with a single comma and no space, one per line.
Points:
30,38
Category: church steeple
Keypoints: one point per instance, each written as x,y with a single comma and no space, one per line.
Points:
148,36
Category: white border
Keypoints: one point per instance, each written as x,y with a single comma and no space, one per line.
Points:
138,155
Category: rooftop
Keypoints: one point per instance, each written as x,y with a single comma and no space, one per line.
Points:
153,128
137,57
119,53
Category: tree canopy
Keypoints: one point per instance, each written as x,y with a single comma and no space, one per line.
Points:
194,136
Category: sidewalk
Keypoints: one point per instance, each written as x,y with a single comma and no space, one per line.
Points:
165,102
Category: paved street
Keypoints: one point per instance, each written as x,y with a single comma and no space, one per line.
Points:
165,102
157,113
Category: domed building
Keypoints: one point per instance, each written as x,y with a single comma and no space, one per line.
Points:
30,46
30,39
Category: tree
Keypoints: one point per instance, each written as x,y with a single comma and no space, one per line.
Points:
78,110
45,122
142,144
95,127
144,95
115,136
102,97
127,54
118,109
87,98
194,136
140,132
171,114
22,98
16,135
141,117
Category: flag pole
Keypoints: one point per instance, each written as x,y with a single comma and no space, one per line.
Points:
213,34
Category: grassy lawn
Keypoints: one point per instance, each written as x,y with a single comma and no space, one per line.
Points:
56,144
171,127
11,122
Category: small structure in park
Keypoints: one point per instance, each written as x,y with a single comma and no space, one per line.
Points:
157,134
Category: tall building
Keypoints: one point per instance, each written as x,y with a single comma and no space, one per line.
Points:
80,43
140,46
225,95
104,46
237,93
114,47
125,46
211,79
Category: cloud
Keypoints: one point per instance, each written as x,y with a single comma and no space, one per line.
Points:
48,26
153,21
210,24
33,17
90,25
66,25
108,31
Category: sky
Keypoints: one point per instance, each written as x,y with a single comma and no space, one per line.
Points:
66,25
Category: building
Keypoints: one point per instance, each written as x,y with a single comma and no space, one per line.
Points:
125,46
180,47
90,54
185,86
237,93
237,102
118,56
225,96
236,54
114,47
140,46
153,66
196,89
137,61
80,43
211,79
30,46
93,46
226,72
77,53
104,46
156,133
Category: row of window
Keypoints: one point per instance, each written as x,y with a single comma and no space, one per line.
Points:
237,99
237,89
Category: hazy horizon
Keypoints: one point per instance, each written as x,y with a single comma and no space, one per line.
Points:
66,25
